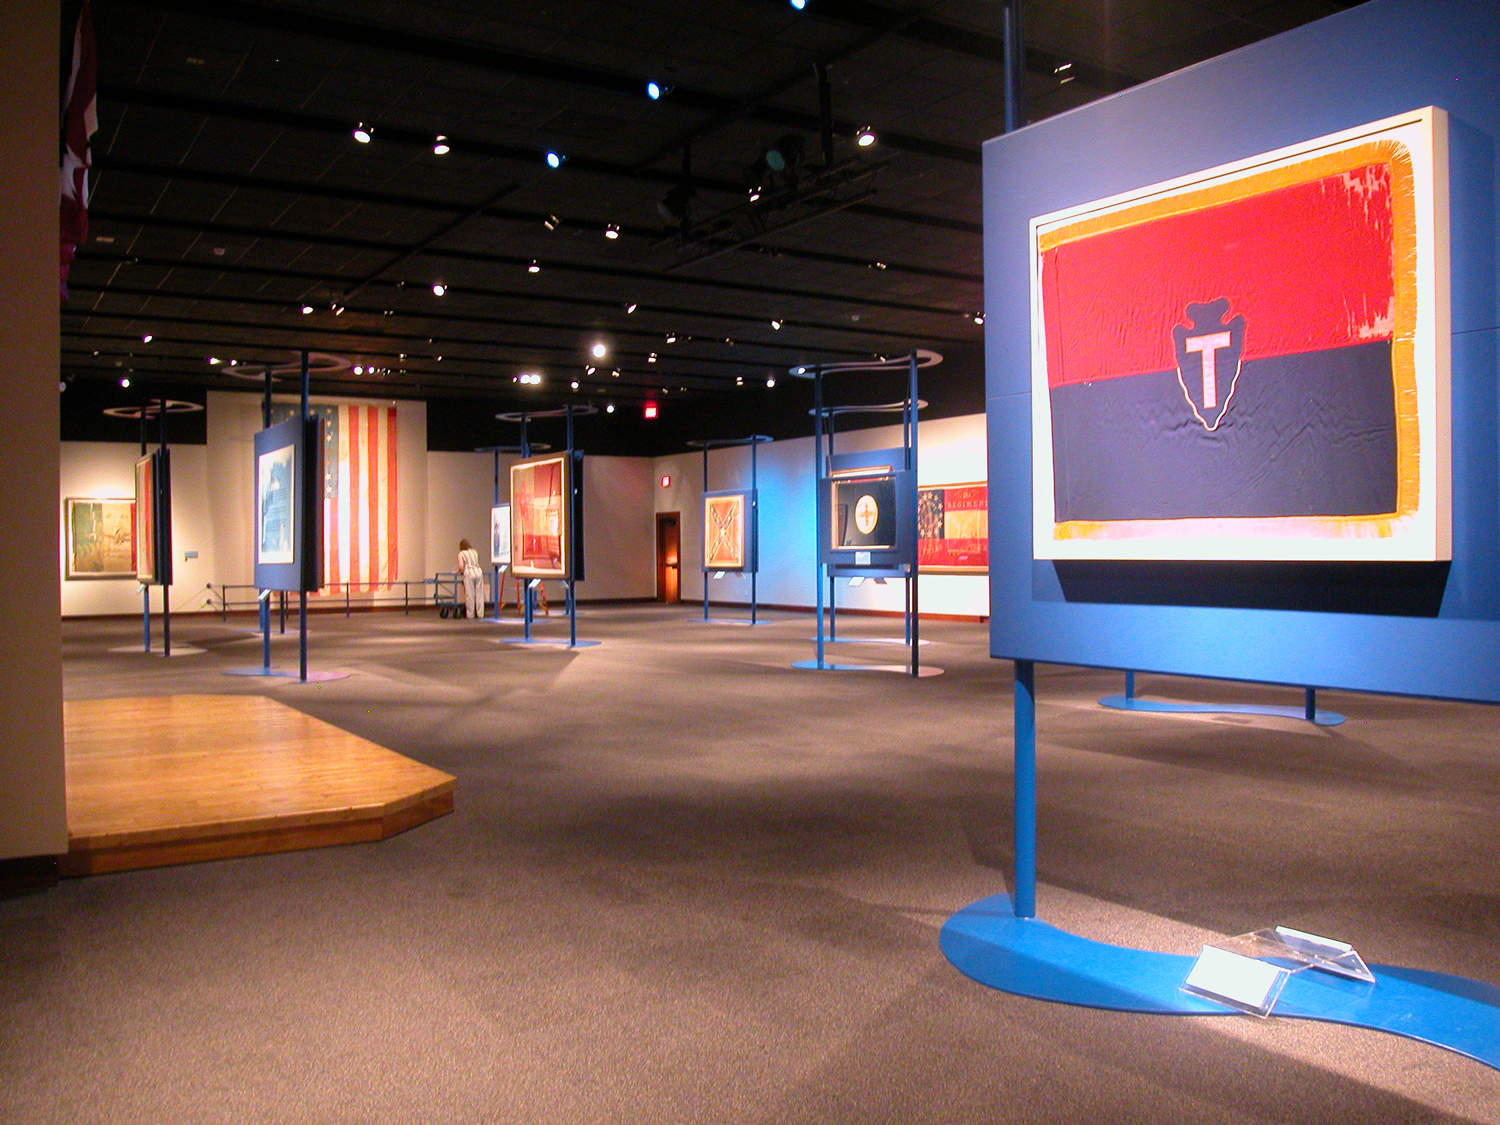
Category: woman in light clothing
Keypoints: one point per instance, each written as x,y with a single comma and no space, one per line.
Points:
473,579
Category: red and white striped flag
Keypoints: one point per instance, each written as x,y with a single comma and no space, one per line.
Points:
359,494
80,120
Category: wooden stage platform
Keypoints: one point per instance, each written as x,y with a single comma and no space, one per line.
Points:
177,779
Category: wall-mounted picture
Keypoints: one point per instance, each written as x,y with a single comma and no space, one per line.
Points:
145,520
100,537
275,507
500,535
953,529
862,512
540,510
1250,362
726,531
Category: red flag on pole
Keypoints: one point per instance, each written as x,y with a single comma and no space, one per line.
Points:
80,120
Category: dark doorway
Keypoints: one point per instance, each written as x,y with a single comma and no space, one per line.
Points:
668,557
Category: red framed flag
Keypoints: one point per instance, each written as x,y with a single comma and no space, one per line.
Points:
1250,362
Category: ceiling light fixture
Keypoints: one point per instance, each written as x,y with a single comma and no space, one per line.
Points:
611,231
440,146
534,267
574,384
609,408
438,289
651,358
657,90
358,369
147,338
864,137
599,350
214,361
307,310
551,222
770,380
979,318
630,308
776,324
363,133
798,4
124,380
671,337
555,159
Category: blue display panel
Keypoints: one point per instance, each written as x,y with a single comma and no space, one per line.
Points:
288,479
1429,628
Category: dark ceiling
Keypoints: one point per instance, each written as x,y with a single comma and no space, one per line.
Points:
235,218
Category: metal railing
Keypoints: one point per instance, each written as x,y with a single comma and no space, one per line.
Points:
247,597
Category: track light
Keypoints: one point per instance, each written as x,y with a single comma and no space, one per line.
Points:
534,266
307,310
551,222
657,90
775,324
599,350
630,308
609,408
358,369
574,384
770,380
214,361
147,338
864,137
438,289
125,380
671,337
440,146
979,318
611,231
798,4
363,133
555,159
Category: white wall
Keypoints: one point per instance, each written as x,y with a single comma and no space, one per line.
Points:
107,469
33,811
949,451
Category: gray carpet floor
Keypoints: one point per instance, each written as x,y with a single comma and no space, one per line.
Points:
686,883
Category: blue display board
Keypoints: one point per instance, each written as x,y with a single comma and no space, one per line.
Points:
288,477
1413,627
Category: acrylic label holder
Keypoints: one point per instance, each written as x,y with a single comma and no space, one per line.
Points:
1248,972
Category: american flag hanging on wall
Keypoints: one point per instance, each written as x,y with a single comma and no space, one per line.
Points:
79,122
359,494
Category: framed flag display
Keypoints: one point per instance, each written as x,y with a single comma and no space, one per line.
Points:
867,514
953,529
1250,362
729,531
863,512
288,488
541,523
145,519
500,535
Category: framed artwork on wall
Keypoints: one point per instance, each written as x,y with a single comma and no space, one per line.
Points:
953,529
100,535
541,517
500,535
729,531
1250,362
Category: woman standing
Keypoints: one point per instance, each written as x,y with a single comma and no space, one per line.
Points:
473,579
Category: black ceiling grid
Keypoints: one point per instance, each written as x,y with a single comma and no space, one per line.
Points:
230,196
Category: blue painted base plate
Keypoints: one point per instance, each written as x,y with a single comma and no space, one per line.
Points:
1025,956
1136,703
922,671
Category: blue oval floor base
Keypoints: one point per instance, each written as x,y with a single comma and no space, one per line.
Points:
1136,703
813,665
555,641
1025,956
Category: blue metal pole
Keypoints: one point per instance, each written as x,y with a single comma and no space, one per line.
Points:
302,582
913,617
1024,894
818,499
754,522
1310,702
1129,685
705,567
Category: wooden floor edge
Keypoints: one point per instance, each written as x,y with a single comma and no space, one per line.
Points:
271,839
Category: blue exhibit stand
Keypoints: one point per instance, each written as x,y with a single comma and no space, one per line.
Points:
751,542
573,503
1419,626
1308,711
896,555
304,572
